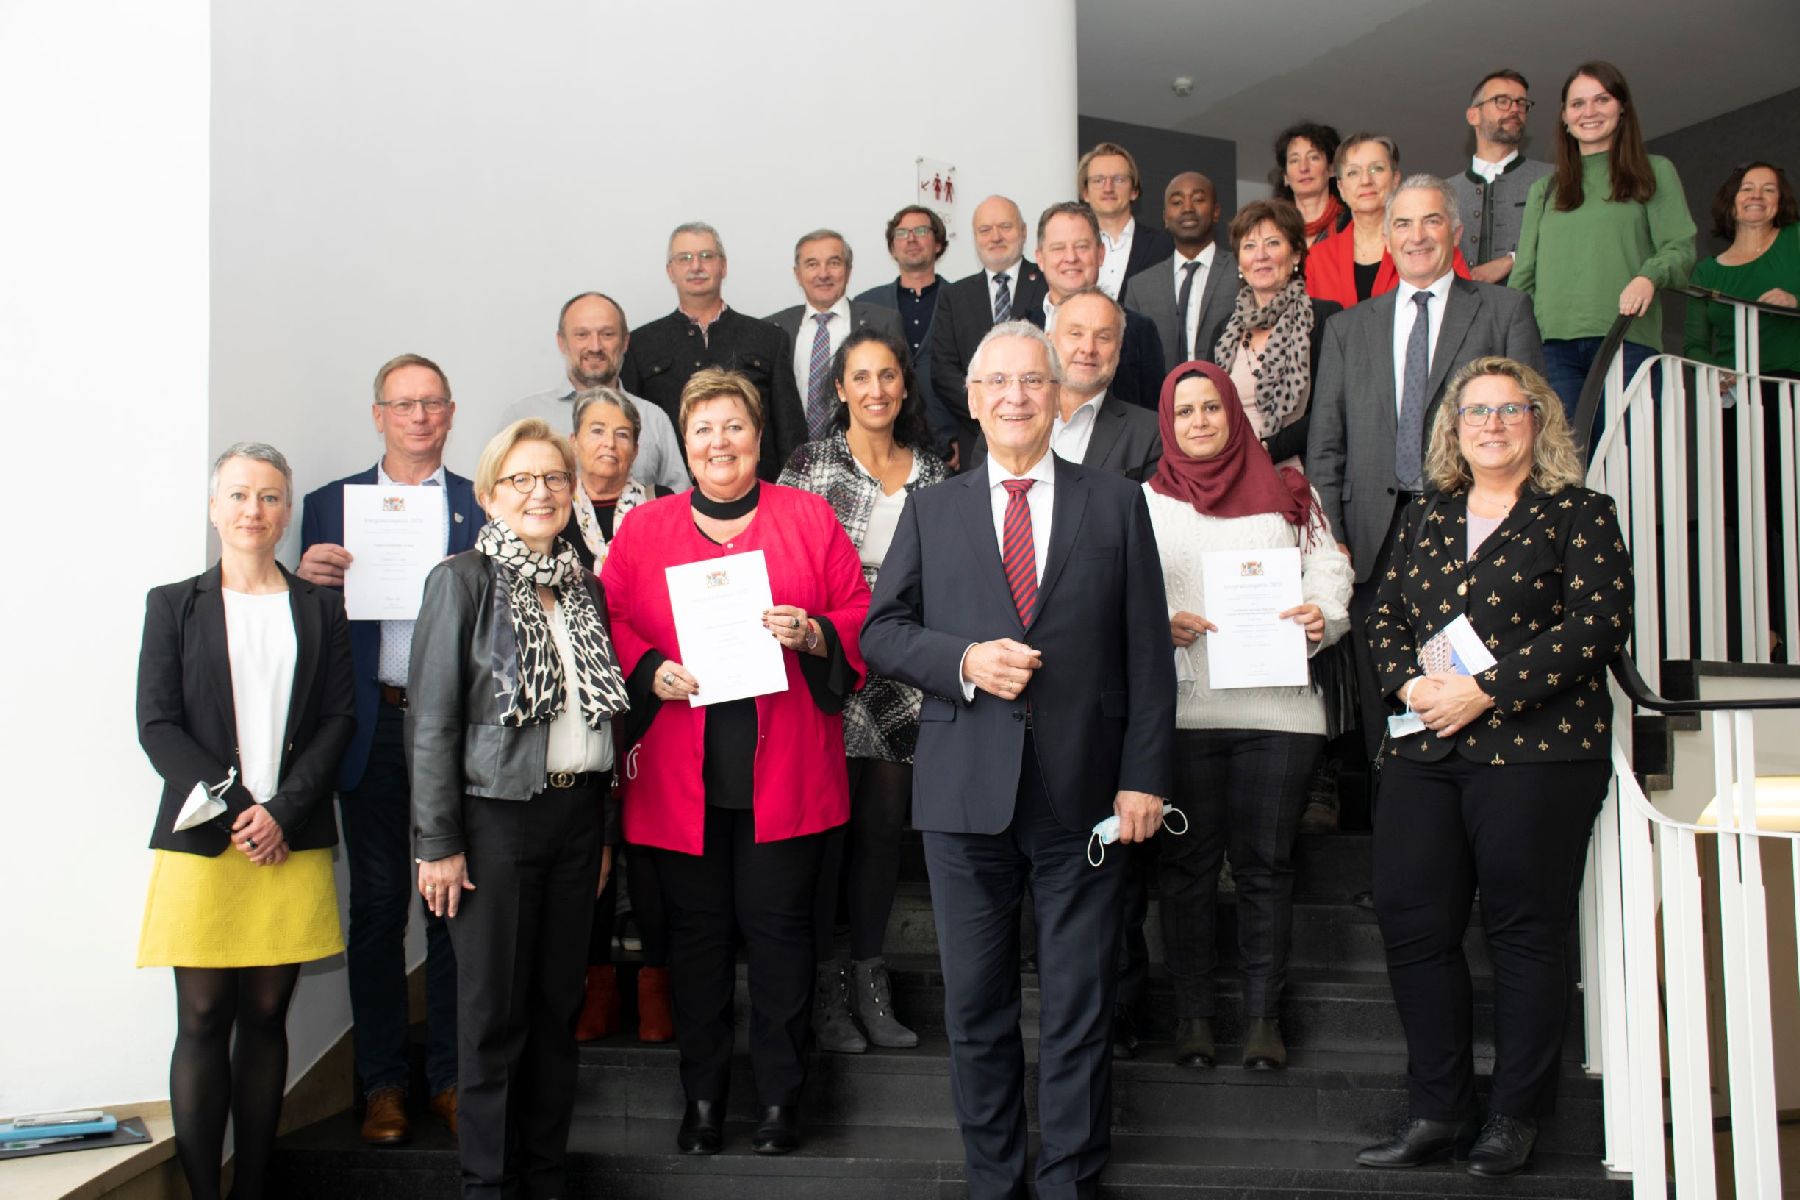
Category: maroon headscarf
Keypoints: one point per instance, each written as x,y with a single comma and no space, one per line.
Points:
1239,481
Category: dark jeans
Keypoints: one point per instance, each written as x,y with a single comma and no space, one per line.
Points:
865,855
521,940
1243,791
1566,365
377,816
1519,833
765,891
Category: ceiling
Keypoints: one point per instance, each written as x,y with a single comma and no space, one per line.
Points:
1406,67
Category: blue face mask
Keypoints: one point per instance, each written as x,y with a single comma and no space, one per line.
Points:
1107,832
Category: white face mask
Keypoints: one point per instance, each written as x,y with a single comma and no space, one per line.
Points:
1107,832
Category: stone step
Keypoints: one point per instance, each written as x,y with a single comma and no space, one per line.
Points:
627,1159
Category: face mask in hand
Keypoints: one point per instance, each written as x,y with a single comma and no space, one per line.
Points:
1107,832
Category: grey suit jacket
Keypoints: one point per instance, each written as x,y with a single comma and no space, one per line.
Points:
887,320
1350,447
1152,293
1127,440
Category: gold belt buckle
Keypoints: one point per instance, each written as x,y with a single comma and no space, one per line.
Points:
562,779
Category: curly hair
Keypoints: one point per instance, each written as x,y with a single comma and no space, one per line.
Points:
1556,463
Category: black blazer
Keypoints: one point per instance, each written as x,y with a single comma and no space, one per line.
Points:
187,724
1550,592
965,312
1148,245
1102,706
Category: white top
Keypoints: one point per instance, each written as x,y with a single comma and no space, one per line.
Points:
261,646
573,746
1070,438
884,518
660,458
1195,294
1183,536
1116,259
1405,313
837,328
1480,529
1490,171
1049,314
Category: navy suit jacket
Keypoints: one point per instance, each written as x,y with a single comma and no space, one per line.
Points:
1139,378
322,520
1102,706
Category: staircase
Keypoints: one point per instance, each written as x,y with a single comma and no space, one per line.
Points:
880,1124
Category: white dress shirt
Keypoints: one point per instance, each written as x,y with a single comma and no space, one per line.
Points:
1117,258
836,330
1490,171
1405,313
1038,501
1196,294
1070,438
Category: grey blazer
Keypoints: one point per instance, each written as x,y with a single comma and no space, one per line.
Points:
1127,440
887,320
1350,447
1152,293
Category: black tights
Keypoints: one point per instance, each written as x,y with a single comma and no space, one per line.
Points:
866,852
213,1076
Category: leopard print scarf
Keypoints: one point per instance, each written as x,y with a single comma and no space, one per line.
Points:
1282,374
539,692
633,495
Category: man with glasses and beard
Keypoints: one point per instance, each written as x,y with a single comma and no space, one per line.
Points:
1491,193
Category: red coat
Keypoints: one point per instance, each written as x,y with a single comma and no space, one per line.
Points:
1331,269
801,783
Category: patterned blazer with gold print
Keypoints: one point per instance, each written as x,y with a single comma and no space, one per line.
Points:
1549,591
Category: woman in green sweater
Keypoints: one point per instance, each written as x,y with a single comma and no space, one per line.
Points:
1755,211
1601,234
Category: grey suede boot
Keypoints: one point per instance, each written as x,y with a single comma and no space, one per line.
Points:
873,999
833,1029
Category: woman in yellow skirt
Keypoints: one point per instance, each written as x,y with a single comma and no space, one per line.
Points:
244,701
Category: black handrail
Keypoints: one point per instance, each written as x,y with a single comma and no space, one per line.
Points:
1639,693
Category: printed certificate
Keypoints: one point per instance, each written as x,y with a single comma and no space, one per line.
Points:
395,535
1253,647
718,605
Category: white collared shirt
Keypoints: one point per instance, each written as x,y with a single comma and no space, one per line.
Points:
1195,294
1405,313
1070,438
836,330
1490,171
1049,314
1116,259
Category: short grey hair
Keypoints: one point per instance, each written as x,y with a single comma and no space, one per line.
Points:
698,227
1422,183
585,400
260,452
1016,329
820,235
1093,289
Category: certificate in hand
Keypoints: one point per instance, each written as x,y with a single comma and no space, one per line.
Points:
1253,647
395,535
718,605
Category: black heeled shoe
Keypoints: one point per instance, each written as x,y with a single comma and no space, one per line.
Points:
702,1128
779,1130
1418,1142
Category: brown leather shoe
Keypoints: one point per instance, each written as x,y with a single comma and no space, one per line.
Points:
443,1107
384,1118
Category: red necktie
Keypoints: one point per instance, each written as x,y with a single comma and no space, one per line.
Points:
1018,553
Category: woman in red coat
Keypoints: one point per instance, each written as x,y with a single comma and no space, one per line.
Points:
1354,264
733,798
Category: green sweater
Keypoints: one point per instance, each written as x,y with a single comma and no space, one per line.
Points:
1574,264
1711,336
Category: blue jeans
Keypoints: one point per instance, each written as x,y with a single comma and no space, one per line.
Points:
1566,365
378,850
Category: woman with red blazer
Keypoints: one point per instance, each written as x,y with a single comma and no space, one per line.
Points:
734,798
1353,264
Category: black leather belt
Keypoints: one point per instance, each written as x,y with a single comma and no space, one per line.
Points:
563,781
393,697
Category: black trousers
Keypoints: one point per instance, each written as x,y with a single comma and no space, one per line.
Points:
864,856
1518,833
1243,791
764,891
1370,703
521,948
978,883
637,867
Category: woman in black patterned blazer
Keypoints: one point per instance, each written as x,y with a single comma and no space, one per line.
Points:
1499,788
877,452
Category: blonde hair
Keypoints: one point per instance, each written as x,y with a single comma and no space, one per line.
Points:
529,429
709,382
1555,462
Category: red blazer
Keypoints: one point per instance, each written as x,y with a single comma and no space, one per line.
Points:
801,783
1331,269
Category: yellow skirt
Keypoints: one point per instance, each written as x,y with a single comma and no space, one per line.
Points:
227,912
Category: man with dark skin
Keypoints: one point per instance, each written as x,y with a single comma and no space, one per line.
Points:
1188,295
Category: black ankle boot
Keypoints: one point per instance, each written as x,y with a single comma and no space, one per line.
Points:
702,1128
779,1130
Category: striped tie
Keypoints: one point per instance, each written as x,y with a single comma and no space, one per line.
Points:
1002,299
818,380
1018,553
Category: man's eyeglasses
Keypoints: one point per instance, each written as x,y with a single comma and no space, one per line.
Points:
1031,381
688,256
919,232
525,482
1477,415
1504,103
406,408
1119,181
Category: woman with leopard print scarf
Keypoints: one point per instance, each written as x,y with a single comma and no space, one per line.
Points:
1270,345
511,705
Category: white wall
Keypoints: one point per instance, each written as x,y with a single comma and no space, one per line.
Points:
434,177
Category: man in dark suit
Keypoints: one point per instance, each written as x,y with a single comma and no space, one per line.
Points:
1025,598
814,330
916,239
1069,254
1190,294
704,332
1107,181
1380,377
1008,284
413,412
